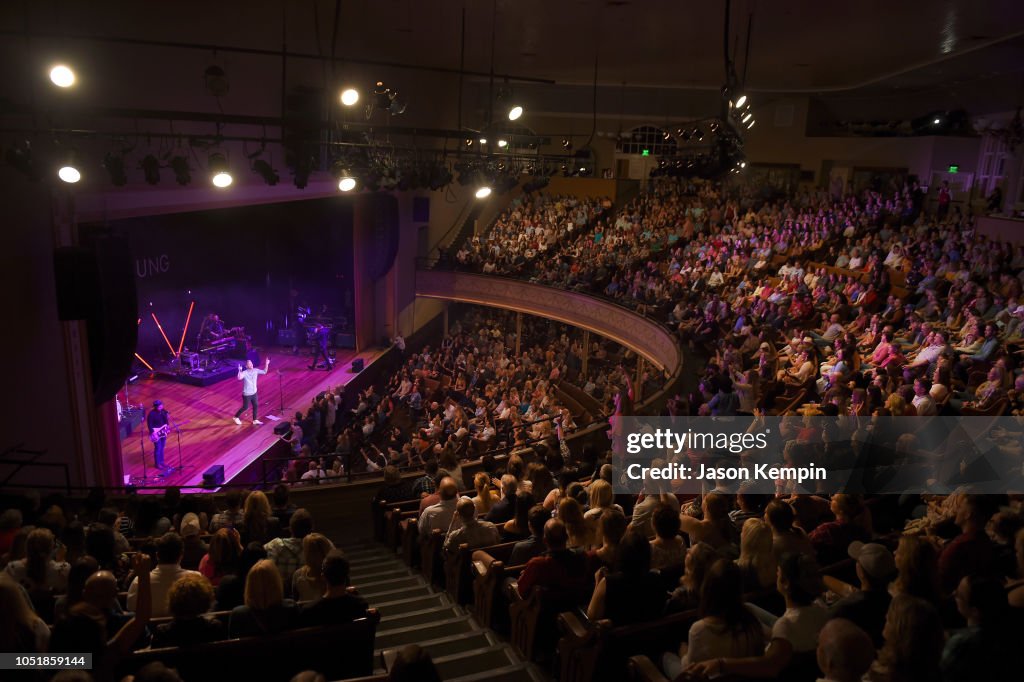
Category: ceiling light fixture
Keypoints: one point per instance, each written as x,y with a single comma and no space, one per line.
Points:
150,166
740,101
114,164
483,192
515,113
349,97
220,172
182,172
62,76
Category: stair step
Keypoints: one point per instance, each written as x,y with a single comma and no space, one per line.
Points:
368,553
521,672
390,594
399,582
367,577
399,606
454,644
475,661
387,639
419,617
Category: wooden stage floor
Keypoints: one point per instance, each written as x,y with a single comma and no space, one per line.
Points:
208,433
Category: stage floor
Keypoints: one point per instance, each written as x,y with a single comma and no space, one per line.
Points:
208,433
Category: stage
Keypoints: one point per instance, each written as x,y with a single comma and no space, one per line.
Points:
204,414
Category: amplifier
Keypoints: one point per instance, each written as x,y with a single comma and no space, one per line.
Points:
287,337
343,340
214,476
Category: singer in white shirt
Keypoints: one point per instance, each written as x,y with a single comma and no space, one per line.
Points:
248,378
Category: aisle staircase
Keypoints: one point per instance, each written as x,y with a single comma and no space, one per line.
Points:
412,612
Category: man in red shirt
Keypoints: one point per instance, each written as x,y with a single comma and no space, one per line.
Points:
556,569
969,553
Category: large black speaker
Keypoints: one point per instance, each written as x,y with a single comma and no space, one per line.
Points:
357,365
214,476
95,283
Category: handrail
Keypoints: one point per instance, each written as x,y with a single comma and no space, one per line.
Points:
460,222
21,464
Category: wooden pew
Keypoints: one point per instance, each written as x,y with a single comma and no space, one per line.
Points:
432,557
534,620
337,651
600,651
457,569
490,603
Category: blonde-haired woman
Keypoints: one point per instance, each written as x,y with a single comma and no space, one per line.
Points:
265,611
258,522
486,496
581,531
601,498
308,582
757,558
38,572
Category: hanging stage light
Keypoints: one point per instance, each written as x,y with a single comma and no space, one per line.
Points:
698,134
566,144
182,172
62,76
114,164
740,101
220,172
515,113
69,171
483,192
349,97
262,168
751,124
747,117
346,181
502,143
150,166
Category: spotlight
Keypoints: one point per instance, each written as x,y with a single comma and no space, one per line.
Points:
667,135
714,127
381,95
114,163
19,155
62,76
698,134
685,135
440,178
469,141
69,171
150,169
349,96
182,173
346,181
515,112
751,124
743,164
502,143
262,168
741,101
483,140
567,144
398,104
937,121
483,192
220,173
747,117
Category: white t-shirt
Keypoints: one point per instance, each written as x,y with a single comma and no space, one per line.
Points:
710,641
800,627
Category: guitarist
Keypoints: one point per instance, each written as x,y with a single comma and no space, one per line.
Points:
157,421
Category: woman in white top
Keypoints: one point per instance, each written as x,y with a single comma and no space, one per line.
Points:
795,632
37,571
727,627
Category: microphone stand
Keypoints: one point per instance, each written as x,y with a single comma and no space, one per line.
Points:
280,390
177,432
142,447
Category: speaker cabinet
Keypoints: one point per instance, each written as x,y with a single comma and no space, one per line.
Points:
357,365
214,476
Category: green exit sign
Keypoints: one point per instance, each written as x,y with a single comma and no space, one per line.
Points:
645,152
954,168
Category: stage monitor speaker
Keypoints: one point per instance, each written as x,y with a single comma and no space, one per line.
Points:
421,209
344,340
357,365
282,428
96,283
214,476
287,337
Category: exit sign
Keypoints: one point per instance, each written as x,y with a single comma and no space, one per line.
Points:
645,152
954,168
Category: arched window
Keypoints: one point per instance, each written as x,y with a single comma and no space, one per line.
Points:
654,141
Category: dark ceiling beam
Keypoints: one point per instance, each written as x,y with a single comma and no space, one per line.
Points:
290,54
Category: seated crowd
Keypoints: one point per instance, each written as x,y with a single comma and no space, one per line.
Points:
110,582
470,393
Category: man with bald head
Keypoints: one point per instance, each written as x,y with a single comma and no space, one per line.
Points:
845,652
99,602
473,532
441,516
558,568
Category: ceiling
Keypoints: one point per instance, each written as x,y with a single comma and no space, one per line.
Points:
866,57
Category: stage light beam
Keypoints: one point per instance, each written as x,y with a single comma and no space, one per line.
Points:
160,327
184,331
148,366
